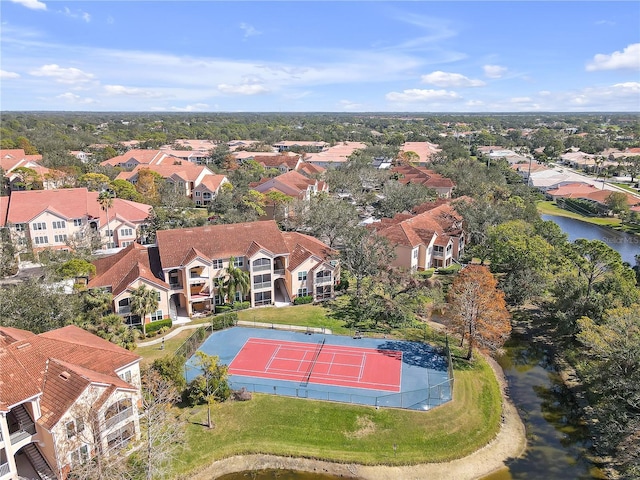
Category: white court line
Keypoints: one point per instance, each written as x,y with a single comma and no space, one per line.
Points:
273,356
362,364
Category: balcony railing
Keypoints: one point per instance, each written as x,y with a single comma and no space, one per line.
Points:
279,271
261,285
119,417
4,469
261,268
26,430
124,310
175,285
323,280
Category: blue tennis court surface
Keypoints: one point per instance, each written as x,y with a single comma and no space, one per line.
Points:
389,373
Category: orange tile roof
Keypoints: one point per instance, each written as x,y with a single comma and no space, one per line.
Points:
425,150
187,171
601,196
142,156
134,262
213,182
218,241
35,358
71,203
304,246
422,176
291,161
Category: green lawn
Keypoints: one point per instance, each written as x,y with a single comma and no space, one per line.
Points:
347,433
550,208
150,353
305,315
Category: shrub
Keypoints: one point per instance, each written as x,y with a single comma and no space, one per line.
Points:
241,305
241,395
454,268
426,273
153,327
303,300
223,308
342,285
196,392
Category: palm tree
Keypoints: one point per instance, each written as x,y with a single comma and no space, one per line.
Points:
105,199
238,280
144,301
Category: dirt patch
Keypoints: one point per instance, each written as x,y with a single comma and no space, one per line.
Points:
365,426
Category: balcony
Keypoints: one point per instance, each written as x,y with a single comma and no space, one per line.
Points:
175,285
261,285
279,271
262,268
25,431
324,281
4,469
119,417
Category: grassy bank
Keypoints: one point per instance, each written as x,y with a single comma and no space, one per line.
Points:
305,315
347,433
550,208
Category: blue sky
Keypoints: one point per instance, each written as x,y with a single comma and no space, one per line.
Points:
320,56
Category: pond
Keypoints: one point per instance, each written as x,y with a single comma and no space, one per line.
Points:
628,245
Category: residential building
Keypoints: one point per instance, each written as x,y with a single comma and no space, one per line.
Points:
335,155
59,219
431,237
424,150
306,146
65,395
422,176
12,160
208,188
186,176
187,267
135,157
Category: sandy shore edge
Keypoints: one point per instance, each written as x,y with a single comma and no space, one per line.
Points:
508,444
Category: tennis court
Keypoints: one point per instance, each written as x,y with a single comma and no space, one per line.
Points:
368,371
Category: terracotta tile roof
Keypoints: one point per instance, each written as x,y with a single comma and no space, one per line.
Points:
4,210
71,203
310,244
213,182
134,262
291,161
146,157
338,153
309,169
192,254
571,189
37,357
187,171
291,183
219,241
425,150
13,158
601,196
422,176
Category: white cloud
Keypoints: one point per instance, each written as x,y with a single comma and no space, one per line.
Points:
494,71
198,107
521,100
62,75
350,106
77,14
474,103
130,91
448,80
76,99
418,95
32,4
5,74
244,89
249,30
628,59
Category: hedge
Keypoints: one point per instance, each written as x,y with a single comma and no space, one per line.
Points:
153,327
303,300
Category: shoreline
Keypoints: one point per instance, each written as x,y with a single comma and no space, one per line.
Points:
509,443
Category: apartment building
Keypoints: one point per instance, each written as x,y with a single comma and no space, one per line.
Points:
187,267
64,395
58,219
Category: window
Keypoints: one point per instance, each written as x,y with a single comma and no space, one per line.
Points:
79,425
59,224
60,238
108,233
77,222
39,226
126,232
415,253
239,262
262,264
156,316
198,202
217,264
71,429
21,227
262,298
126,376
262,281
41,240
197,194
302,276
125,244
323,274
80,455
158,295
438,249
238,297
302,292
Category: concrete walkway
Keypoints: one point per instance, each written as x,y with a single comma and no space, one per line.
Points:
242,323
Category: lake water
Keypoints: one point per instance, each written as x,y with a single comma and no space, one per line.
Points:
626,244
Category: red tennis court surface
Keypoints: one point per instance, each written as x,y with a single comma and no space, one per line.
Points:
322,364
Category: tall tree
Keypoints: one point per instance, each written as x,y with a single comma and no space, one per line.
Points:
163,432
144,301
477,310
237,281
611,369
328,218
105,199
211,385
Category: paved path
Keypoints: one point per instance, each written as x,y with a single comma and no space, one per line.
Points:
242,323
